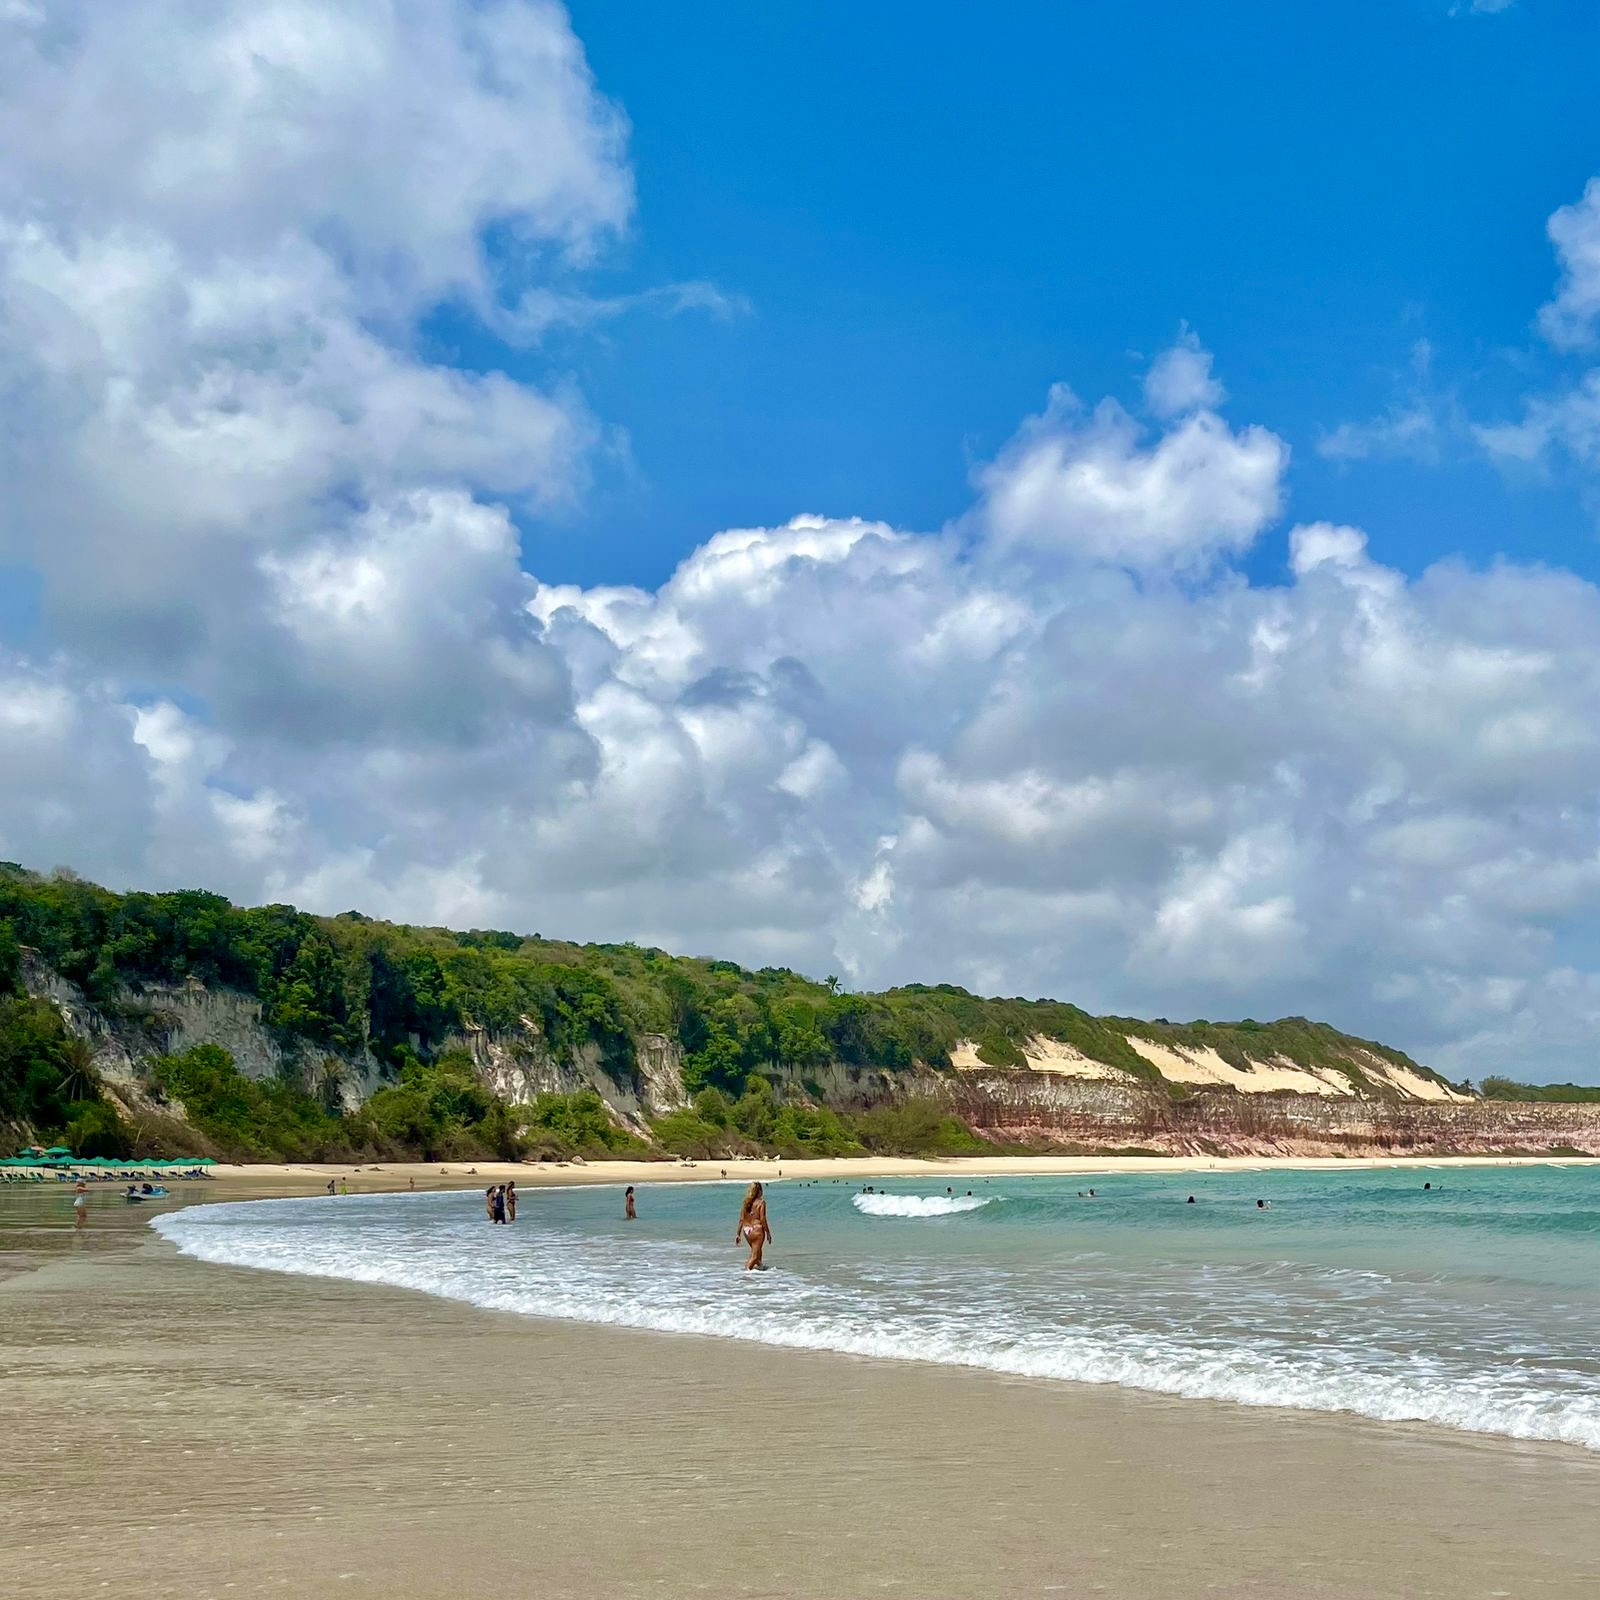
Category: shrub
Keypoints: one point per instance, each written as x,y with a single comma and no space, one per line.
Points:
916,1128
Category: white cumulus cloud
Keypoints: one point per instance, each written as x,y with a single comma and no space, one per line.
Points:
1062,746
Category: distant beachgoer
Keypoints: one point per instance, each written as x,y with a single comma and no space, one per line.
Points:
1091,1194
724,1172
754,1229
499,1194
344,1186
511,1202
949,1191
1189,1201
80,1204
627,1204
1080,1194
1261,1205
1427,1186
488,1202
412,1182
330,1185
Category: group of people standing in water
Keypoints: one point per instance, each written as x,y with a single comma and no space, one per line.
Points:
754,1231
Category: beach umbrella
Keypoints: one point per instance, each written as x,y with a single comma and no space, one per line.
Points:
58,1150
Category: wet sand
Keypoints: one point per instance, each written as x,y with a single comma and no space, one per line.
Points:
178,1428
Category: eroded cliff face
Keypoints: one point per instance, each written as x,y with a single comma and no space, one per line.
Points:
125,1034
1028,1106
518,1067
1055,1100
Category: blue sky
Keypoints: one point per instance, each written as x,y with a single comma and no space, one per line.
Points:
933,220
381,384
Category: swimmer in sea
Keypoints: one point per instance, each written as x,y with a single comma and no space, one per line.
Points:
627,1204
1189,1201
753,1227
1261,1205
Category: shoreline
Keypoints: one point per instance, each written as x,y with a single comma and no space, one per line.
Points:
284,1178
258,1432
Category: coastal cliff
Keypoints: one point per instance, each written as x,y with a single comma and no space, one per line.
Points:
189,1012
1033,1105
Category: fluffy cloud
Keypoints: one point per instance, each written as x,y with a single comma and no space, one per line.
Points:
219,225
1565,418
1076,486
1574,230
1062,746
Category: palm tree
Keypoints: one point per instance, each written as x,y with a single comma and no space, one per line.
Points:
831,984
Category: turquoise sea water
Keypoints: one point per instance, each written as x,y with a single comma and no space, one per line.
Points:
1475,1305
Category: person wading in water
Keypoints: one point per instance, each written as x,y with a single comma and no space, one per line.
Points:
753,1227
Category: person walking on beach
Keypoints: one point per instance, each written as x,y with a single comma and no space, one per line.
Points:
511,1201
80,1204
330,1185
754,1229
627,1204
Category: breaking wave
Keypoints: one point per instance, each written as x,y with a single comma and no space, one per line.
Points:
914,1205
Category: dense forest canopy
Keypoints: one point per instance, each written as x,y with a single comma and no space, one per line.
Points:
408,995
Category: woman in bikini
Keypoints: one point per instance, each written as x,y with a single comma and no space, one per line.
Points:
753,1228
627,1204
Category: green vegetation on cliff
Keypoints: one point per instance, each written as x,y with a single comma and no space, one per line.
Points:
1580,1094
408,998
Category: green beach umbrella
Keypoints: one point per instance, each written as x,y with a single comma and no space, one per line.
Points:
58,1150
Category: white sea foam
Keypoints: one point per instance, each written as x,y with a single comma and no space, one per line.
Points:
915,1205
1093,1325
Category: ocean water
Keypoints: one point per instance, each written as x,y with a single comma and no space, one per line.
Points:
1475,1305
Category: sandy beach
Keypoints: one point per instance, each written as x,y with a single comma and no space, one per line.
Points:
178,1428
